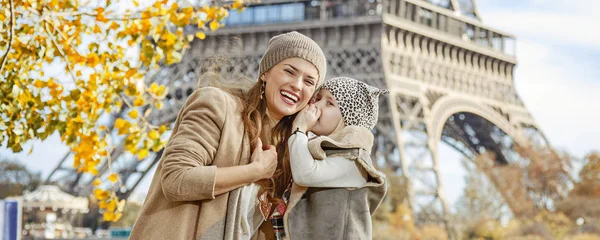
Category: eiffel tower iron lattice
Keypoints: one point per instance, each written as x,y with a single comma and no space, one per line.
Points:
450,79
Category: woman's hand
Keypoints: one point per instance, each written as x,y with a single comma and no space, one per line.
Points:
264,160
307,118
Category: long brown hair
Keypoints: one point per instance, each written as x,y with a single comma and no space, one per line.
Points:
283,175
254,117
247,92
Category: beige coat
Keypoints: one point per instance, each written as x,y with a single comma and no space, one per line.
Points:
181,202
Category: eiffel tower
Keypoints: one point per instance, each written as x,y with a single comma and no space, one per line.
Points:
450,79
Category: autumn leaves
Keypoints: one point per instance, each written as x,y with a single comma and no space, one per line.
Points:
68,64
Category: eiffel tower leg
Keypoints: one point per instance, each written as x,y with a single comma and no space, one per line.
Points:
419,158
432,145
401,151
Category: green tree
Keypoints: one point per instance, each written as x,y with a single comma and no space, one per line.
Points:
15,178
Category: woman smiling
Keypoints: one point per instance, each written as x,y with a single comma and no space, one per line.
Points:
223,142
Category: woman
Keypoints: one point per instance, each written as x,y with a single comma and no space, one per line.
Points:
200,188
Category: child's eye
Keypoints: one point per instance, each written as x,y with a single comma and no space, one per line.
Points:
309,82
330,104
289,72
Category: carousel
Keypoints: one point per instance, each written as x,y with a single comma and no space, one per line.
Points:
49,213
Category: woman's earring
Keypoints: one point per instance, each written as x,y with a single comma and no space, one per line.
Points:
262,89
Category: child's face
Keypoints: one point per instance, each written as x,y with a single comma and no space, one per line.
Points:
331,116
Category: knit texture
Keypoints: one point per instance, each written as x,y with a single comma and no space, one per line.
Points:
294,44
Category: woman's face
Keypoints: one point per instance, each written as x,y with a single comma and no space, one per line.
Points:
289,86
331,116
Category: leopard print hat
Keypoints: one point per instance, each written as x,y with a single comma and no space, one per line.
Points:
358,102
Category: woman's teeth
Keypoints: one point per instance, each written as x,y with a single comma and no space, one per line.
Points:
290,96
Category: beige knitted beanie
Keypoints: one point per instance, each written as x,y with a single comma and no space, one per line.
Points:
294,44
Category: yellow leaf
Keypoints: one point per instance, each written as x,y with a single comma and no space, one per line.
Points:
133,114
38,84
143,154
93,60
96,182
121,205
100,15
102,205
114,26
201,24
138,102
169,38
157,146
146,14
237,4
118,106
120,123
223,13
109,216
118,216
51,83
101,194
201,35
214,25
159,105
111,205
30,150
153,135
162,129
161,91
113,177
153,87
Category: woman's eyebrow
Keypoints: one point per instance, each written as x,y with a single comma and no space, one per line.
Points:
296,70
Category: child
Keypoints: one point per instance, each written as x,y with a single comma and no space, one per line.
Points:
335,188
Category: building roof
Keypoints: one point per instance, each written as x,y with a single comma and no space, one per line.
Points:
51,197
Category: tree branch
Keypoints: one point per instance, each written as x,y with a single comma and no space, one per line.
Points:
12,33
125,17
134,15
62,35
60,51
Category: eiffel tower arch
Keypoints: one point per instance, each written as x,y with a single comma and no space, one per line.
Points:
450,83
451,80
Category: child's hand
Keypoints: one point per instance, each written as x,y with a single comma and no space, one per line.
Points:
307,118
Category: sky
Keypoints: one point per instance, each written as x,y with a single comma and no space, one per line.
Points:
557,74
558,54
